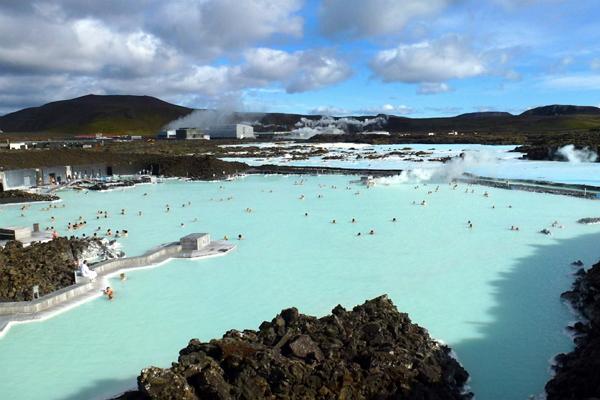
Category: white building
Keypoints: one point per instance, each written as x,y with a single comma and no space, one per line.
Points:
190,134
19,178
168,134
385,133
233,131
17,146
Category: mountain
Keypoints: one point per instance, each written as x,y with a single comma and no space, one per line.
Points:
558,109
147,115
484,114
93,114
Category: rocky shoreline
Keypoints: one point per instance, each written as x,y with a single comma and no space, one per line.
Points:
546,152
48,265
21,196
371,352
578,372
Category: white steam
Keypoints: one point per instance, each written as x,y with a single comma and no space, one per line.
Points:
227,109
202,119
327,125
447,172
576,156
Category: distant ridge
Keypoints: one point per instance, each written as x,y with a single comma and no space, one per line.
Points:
145,115
95,113
558,109
484,114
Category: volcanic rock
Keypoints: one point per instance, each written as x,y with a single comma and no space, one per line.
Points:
371,352
21,196
578,372
47,265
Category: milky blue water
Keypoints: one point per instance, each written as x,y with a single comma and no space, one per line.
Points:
485,160
489,292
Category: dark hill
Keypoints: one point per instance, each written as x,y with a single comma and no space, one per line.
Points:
147,115
484,114
557,109
93,114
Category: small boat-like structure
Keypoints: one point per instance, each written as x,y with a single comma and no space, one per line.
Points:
367,181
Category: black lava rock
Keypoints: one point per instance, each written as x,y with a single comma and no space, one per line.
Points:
371,352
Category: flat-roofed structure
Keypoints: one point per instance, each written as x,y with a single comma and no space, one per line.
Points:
232,131
190,134
19,178
194,241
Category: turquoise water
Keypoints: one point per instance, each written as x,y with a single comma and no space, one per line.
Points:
484,160
490,293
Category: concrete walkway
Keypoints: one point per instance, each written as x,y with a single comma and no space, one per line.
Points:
71,296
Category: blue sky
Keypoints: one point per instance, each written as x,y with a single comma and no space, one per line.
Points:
405,57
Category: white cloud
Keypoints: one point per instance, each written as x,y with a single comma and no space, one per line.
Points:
195,47
360,18
81,46
595,64
515,4
428,62
433,88
388,109
209,28
573,82
329,111
298,71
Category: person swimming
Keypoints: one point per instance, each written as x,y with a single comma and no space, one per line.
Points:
109,292
394,219
333,221
123,277
353,220
372,232
240,237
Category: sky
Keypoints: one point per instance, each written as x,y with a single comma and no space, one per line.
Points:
416,58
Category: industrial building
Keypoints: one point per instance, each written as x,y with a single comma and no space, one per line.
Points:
167,134
19,178
56,175
190,134
233,131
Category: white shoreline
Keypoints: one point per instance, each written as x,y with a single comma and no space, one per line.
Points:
214,249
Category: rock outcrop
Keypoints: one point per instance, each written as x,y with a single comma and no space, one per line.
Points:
578,372
589,221
198,167
48,265
371,352
21,196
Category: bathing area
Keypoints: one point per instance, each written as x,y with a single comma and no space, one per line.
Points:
192,246
444,253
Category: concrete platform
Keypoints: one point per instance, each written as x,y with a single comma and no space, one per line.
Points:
71,296
33,237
